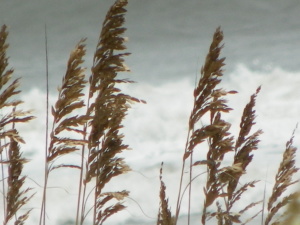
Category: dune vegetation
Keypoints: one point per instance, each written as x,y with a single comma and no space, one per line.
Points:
97,136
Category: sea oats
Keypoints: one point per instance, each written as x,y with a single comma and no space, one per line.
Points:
209,100
70,99
107,108
283,179
245,144
164,215
15,195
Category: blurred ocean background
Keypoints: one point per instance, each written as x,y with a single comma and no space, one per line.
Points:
168,40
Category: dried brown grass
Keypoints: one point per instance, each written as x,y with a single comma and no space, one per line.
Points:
70,99
164,215
223,187
107,107
11,157
97,135
284,179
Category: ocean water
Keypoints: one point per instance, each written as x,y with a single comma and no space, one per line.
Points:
169,40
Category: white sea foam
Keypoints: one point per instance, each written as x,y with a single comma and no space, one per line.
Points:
157,132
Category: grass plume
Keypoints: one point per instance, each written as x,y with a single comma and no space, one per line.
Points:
164,214
70,99
108,110
223,182
283,180
11,157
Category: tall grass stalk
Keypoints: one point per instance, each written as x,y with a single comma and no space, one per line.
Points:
15,196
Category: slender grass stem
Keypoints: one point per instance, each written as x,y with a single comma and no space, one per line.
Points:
178,204
190,188
43,208
3,184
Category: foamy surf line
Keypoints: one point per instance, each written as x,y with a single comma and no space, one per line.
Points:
157,132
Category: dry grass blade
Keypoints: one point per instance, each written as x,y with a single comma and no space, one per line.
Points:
105,213
5,74
229,176
208,99
164,214
283,179
236,196
16,198
15,117
219,139
69,100
206,95
9,90
13,134
218,215
245,144
107,108
251,205
247,122
224,216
